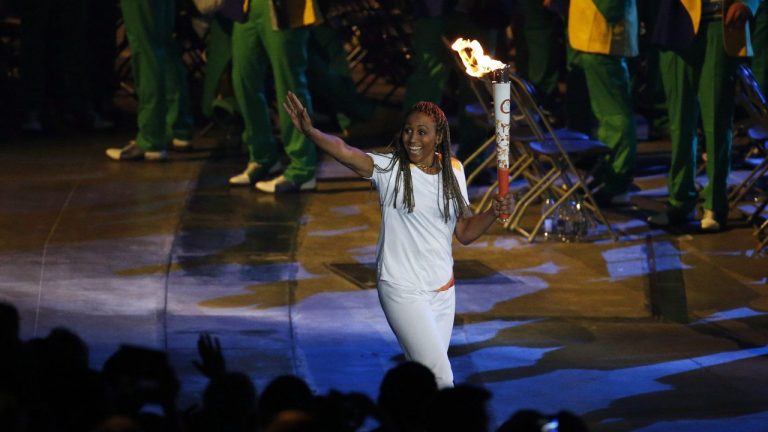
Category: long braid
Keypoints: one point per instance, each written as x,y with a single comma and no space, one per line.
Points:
451,192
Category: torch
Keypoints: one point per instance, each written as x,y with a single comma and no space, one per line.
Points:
501,113
479,65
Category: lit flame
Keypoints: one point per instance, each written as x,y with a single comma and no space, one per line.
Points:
475,61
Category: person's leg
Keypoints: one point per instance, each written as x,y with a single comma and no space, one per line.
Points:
146,36
715,93
218,51
430,63
609,94
421,336
287,51
539,31
680,73
576,96
35,17
443,305
655,101
248,74
760,46
102,45
70,51
179,123
329,76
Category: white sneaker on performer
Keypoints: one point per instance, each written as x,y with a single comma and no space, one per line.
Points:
179,144
254,172
280,184
133,152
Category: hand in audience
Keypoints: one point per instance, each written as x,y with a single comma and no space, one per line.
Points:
211,362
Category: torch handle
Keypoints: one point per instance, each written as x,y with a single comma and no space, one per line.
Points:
503,186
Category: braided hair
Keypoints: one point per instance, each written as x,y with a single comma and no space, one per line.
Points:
450,191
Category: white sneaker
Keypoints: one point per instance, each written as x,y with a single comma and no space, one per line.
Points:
133,152
709,222
280,184
254,172
181,144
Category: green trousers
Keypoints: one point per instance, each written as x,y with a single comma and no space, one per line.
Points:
330,78
255,45
760,46
700,79
431,63
159,73
218,51
538,45
607,80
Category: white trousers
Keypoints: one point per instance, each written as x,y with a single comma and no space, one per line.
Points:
422,322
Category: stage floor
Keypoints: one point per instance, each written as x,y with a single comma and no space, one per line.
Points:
658,331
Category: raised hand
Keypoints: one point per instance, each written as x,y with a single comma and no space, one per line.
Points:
211,362
298,113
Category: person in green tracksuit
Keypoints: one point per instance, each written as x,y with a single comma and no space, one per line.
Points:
603,33
539,45
218,51
760,45
164,114
275,33
330,79
701,42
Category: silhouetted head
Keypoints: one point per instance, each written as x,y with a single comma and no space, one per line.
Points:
460,409
67,348
341,412
286,392
9,324
404,393
230,396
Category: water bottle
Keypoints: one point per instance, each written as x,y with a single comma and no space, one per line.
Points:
565,221
550,224
582,220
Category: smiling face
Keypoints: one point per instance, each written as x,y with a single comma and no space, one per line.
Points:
420,138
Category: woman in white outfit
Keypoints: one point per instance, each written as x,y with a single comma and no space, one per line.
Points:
423,197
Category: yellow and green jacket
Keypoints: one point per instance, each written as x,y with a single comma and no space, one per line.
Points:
678,22
603,27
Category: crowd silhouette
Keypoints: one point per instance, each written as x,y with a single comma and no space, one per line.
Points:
46,384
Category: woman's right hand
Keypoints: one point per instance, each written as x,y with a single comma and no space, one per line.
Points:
298,113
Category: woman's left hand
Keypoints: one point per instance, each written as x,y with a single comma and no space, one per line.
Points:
503,205
298,113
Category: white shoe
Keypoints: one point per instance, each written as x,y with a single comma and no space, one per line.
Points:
181,144
280,184
254,172
133,152
709,222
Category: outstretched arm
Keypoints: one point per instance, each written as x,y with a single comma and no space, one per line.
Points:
471,228
351,157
